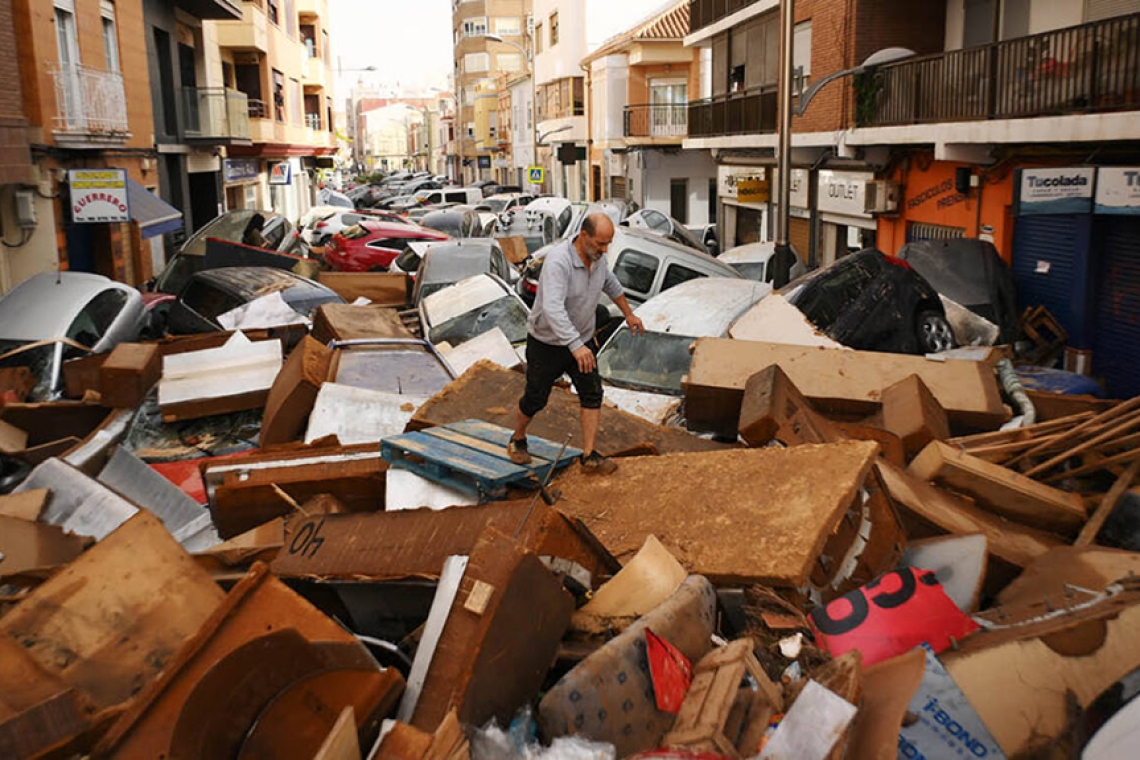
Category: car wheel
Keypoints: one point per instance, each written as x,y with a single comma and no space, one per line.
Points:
934,333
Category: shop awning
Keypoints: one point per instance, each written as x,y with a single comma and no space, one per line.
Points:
153,215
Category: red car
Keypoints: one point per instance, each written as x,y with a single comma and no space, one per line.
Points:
372,246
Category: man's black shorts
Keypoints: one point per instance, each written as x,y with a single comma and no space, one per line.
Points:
545,364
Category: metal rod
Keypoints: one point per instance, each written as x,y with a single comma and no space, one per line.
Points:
542,487
782,259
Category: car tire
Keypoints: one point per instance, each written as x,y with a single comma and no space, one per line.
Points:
933,332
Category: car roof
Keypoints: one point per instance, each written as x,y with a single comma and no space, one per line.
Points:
548,204
44,305
396,229
704,307
631,235
749,253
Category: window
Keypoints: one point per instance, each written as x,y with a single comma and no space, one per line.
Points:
475,27
553,29
509,61
110,36
92,322
66,35
208,301
826,297
309,39
476,62
272,12
636,271
675,274
801,53
290,19
508,26
278,95
538,39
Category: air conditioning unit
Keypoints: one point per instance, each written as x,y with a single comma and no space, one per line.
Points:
881,196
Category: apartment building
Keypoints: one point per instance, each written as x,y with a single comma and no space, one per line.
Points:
196,117
16,172
638,100
492,38
1014,121
84,84
279,56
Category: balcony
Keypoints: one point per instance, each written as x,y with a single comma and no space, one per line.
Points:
703,13
1092,68
665,123
313,121
747,112
215,115
92,106
249,34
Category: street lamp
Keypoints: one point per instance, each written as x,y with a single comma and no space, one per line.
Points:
529,56
783,258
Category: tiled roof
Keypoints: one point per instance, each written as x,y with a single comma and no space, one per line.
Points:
672,23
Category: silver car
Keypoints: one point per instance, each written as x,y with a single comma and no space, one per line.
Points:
52,317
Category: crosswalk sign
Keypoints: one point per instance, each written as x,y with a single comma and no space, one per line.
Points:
536,175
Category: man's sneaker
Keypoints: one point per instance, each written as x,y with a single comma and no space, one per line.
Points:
517,451
596,464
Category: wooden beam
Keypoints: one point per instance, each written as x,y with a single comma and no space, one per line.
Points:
1021,434
1093,526
1096,422
1101,463
1130,421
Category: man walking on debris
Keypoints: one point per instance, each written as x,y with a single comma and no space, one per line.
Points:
560,335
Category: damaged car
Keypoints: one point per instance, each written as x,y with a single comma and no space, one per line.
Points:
472,307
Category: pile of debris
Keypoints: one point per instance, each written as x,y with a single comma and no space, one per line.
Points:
858,563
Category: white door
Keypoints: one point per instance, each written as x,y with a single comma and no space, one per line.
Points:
669,109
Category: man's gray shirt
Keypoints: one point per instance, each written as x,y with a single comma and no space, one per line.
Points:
567,297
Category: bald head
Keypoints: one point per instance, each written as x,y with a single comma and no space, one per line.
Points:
596,235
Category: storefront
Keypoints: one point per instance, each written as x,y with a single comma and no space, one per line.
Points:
799,216
743,192
1076,251
845,225
242,177
940,200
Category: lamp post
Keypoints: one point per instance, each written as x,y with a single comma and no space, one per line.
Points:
783,258
528,54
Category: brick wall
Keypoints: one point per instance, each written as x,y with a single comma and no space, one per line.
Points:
15,159
845,32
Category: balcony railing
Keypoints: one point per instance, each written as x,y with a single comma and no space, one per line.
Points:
313,121
258,109
702,13
215,113
747,112
90,101
662,121
1082,69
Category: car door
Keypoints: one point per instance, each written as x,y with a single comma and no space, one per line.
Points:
95,319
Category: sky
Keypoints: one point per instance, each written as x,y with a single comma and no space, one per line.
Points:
408,41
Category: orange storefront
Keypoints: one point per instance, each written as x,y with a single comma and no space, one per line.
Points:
931,205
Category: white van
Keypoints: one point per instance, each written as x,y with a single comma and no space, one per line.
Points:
467,196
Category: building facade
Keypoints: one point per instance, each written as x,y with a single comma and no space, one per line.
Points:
638,94
492,38
17,174
279,55
1015,121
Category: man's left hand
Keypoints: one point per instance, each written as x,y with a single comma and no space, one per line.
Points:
635,324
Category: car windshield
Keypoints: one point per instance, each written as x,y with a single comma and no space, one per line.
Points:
45,365
750,270
178,272
506,313
449,225
498,205
653,362
229,226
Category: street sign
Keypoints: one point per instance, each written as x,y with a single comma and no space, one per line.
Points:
536,175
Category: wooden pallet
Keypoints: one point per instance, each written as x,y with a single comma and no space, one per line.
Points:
472,456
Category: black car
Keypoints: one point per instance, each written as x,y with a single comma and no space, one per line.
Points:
213,292
457,221
873,302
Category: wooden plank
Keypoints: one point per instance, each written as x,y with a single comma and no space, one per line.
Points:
1127,422
706,510
26,545
341,743
911,412
491,393
1016,544
1000,490
1093,526
1097,422
338,321
486,447
1000,452
835,380
381,288
538,447
26,505
294,391
1020,434
1099,463
129,373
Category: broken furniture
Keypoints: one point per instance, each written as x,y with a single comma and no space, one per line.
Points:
472,456
232,378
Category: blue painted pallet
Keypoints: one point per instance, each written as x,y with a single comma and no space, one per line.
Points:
472,456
